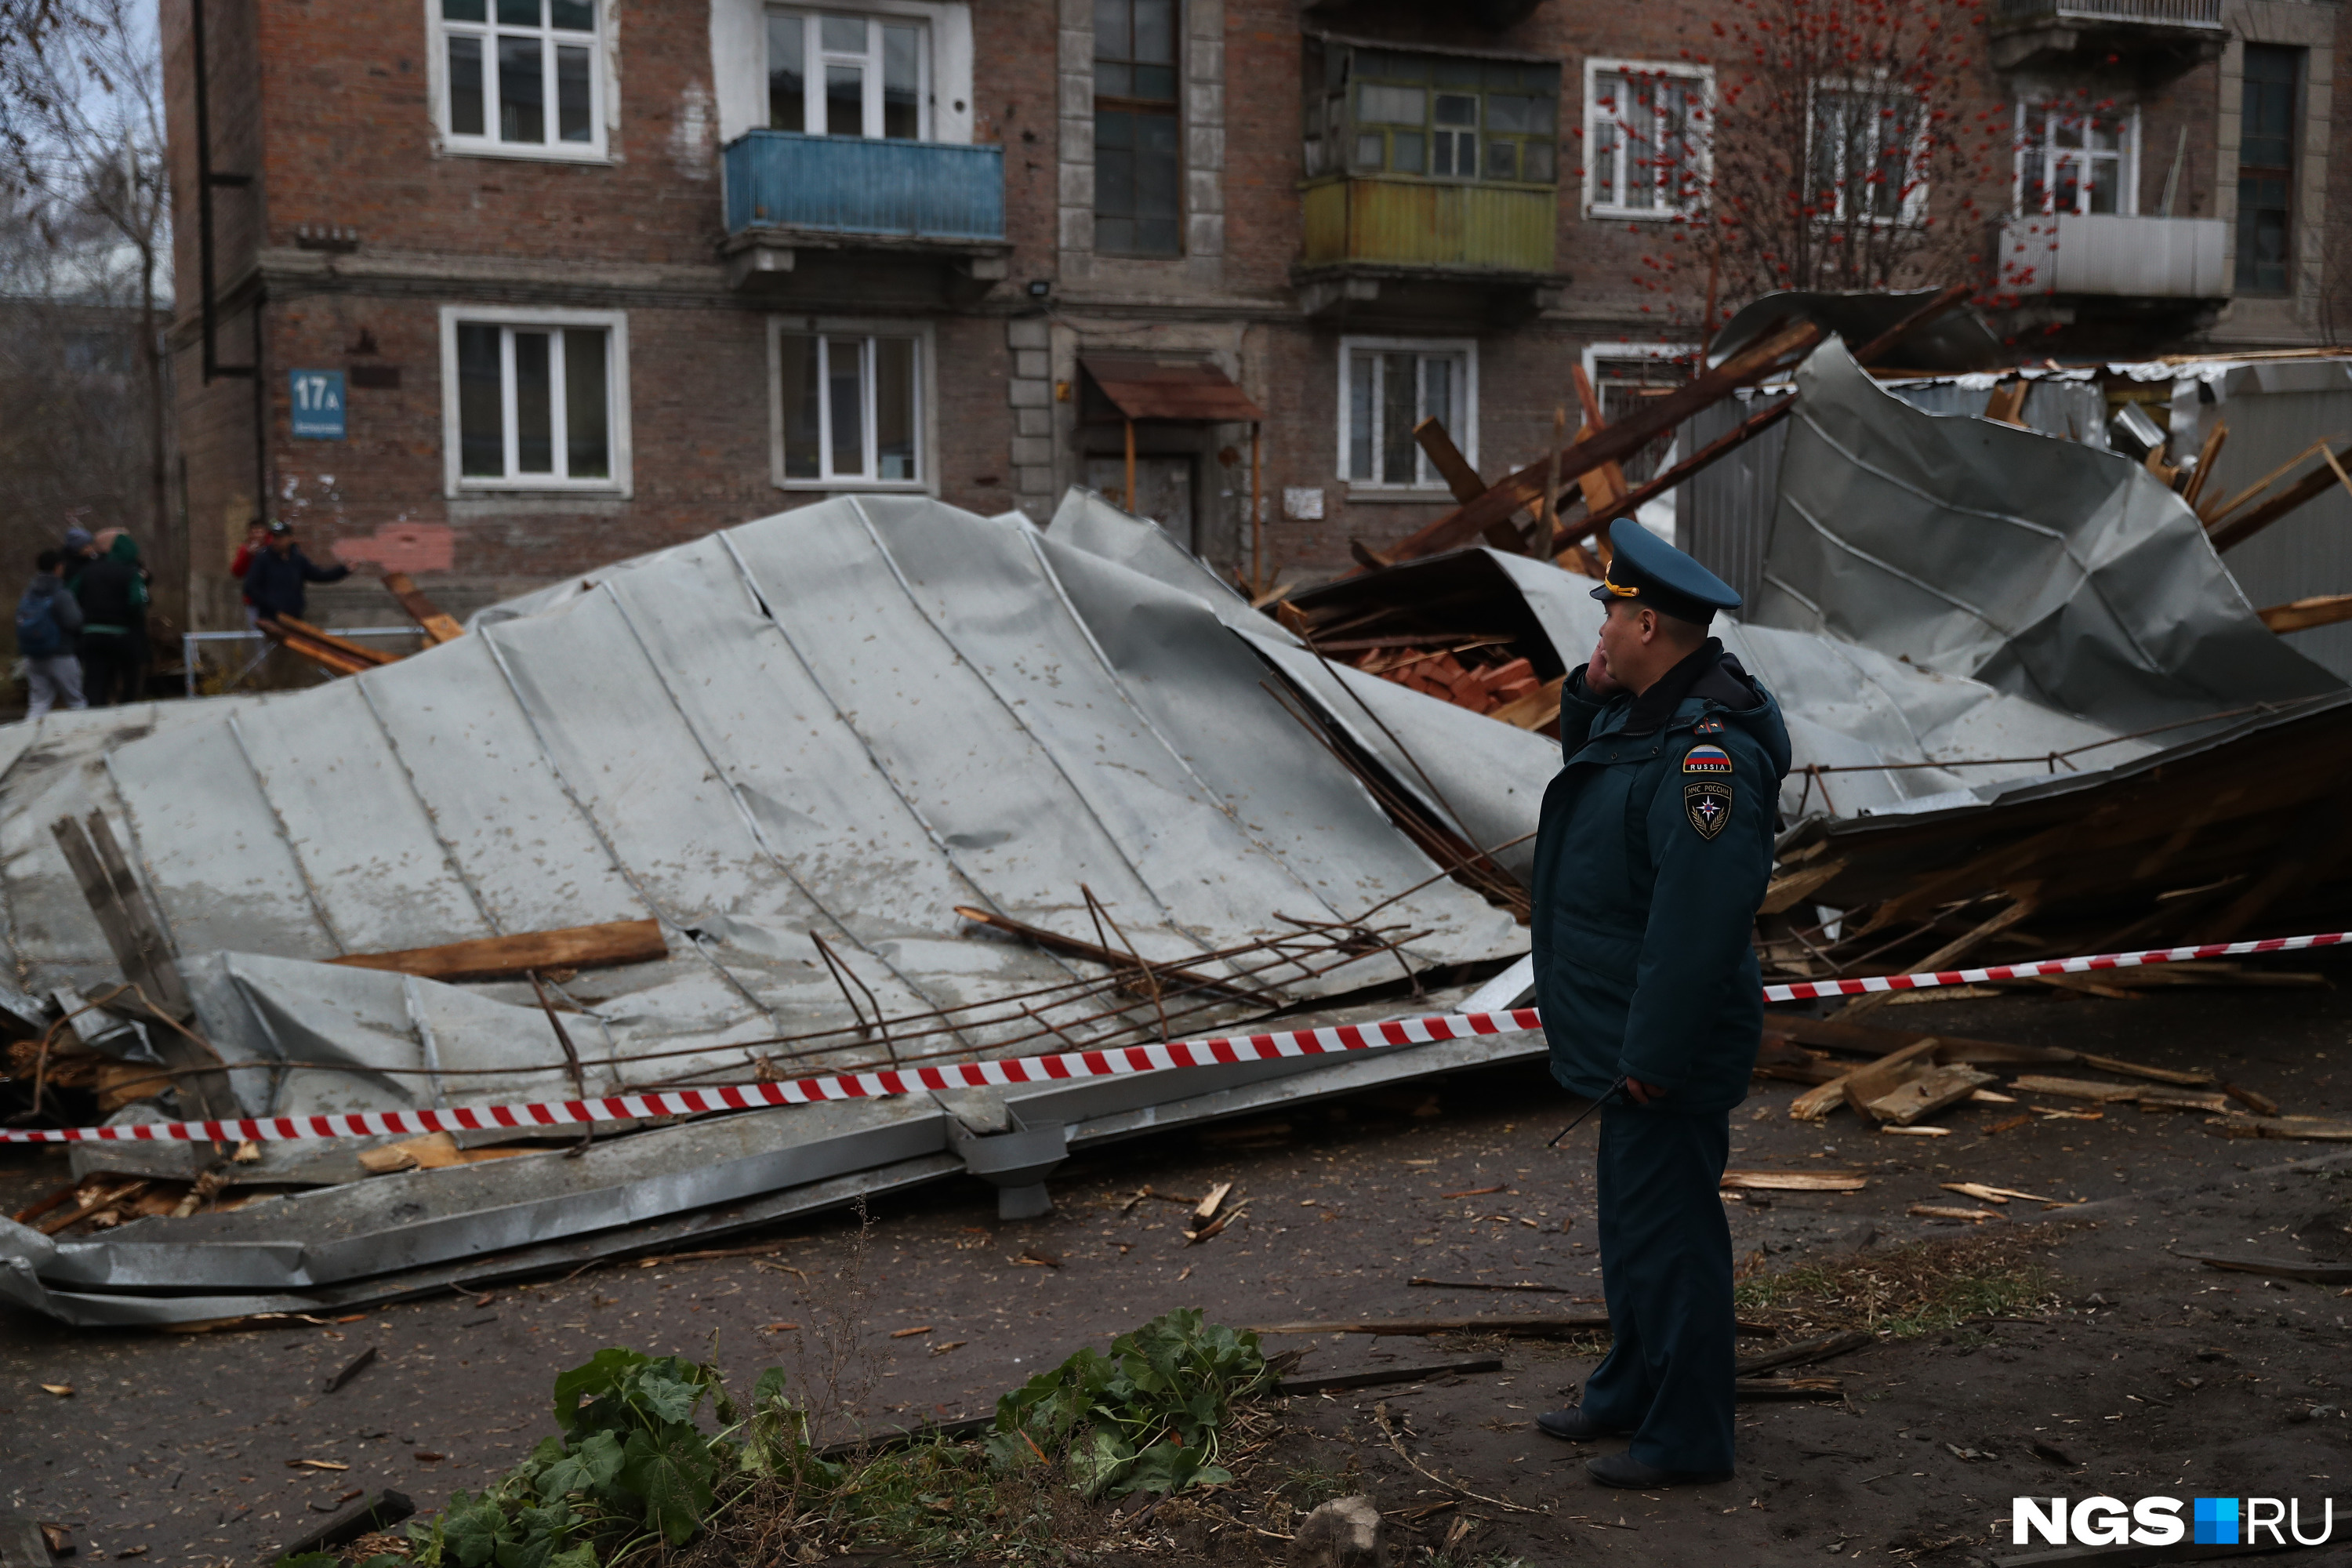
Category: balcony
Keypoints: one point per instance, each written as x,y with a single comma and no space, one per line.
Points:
2168,263
1377,245
2160,39
847,202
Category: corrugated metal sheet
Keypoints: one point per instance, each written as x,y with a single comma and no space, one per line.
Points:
2274,411
1170,389
856,185
1723,514
1427,223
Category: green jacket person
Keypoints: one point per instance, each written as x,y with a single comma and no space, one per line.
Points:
1654,848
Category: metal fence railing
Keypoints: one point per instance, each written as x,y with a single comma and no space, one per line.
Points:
189,641
2156,12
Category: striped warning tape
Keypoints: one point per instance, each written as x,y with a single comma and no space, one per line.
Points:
1218,1050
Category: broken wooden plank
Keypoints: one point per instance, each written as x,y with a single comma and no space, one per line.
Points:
1387,1374
2231,531
2302,615
2277,1268
1620,440
2160,1099
125,913
1789,890
1536,708
306,632
437,626
1875,1081
2074,1089
2314,1128
1806,1353
1946,1211
1922,1097
1463,481
500,957
1795,1181
1983,1194
1789,1388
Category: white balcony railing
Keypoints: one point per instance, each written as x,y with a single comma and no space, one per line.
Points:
2150,12
2097,253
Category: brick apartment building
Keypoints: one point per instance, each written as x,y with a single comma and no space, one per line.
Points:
495,291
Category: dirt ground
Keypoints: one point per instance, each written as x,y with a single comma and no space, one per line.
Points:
2149,1374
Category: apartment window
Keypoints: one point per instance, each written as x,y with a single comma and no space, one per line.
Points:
1647,134
849,408
1390,385
1867,144
535,399
2077,158
1437,116
1629,378
1139,171
2266,113
847,75
521,76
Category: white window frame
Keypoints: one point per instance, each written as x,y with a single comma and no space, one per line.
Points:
1464,435
738,60
926,424
1915,204
1704,135
602,88
815,58
1596,352
2126,160
616,396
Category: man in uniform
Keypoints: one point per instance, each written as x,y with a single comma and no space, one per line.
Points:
1655,846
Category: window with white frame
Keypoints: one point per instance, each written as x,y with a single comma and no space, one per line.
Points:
535,399
1867,152
2077,158
521,76
831,75
1648,136
850,406
1387,386
1629,378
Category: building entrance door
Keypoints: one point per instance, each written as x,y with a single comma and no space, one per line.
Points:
1163,491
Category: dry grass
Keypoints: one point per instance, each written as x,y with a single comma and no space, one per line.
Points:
1923,1288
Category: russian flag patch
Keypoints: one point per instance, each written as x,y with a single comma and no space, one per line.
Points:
1706,759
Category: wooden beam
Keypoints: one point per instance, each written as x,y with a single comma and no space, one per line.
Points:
2231,531
1463,480
2303,615
327,640
437,628
2206,456
128,920
508,957
1740,435
1622,439
2003,405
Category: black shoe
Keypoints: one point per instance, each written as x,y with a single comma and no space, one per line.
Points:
1624,1470
1573,1425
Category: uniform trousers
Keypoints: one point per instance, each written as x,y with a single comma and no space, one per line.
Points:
1665,1270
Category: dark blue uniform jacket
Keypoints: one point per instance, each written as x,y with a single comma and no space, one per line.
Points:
1654,849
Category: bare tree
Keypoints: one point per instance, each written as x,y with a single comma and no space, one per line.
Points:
82,169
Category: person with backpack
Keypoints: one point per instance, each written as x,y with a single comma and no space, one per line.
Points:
113,593
47,620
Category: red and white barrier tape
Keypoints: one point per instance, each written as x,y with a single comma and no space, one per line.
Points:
1805,990
1113,1063
1226,1048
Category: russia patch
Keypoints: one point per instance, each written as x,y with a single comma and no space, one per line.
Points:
1706,759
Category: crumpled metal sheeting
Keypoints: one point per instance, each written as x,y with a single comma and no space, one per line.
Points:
1199,681
1849,706
2039,567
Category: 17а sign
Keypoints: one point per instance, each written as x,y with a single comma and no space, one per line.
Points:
317,402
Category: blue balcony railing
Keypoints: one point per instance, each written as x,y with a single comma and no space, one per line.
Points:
854,184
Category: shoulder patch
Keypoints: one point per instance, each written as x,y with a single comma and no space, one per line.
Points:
1706,759
1709,805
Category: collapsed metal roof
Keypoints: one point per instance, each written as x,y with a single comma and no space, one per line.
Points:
844,722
